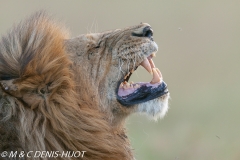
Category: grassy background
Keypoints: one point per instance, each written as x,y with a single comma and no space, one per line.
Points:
199,53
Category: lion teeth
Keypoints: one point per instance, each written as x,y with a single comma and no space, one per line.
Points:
131,84
156,77
145,63
151,63
126,85
136,86
128,74
121,85
153,54
159,73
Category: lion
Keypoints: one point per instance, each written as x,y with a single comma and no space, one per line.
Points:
73,94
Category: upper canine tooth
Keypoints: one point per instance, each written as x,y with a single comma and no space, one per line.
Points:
145,63
156,78
151,63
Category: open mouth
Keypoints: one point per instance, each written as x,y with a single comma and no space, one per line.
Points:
134,93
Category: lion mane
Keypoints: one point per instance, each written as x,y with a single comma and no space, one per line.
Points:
40,109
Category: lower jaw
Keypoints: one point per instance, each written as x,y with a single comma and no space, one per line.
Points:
156,108
143,94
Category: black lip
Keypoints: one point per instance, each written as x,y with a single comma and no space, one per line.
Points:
143,94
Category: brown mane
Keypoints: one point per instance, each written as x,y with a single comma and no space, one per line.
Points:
39,107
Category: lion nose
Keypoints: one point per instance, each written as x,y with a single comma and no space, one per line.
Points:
147,32
144,31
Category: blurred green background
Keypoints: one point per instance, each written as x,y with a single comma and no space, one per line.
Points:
199,54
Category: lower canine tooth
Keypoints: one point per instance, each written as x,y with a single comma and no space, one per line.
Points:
156,78
159,73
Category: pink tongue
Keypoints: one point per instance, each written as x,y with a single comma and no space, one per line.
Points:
123,91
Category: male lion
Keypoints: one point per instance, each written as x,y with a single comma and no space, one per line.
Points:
61,94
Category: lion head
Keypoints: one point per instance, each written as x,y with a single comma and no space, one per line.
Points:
103,64
62,94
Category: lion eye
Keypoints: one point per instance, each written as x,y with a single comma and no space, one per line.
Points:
97,46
